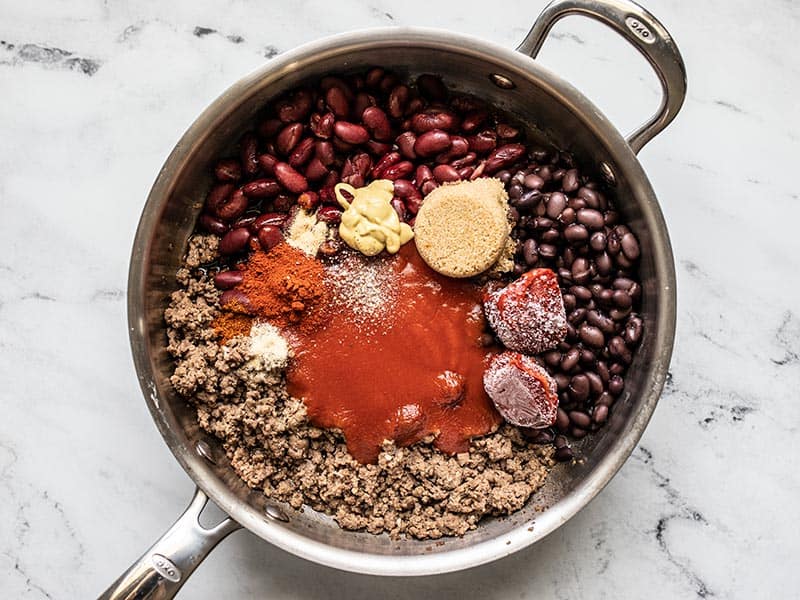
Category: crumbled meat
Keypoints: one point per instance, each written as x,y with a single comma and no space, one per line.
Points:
415,491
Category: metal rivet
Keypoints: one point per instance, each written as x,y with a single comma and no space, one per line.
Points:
608,173
502,81
204,450
273,512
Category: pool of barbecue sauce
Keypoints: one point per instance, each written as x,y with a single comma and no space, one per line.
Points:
422,374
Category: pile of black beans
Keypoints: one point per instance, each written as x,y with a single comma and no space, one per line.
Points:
565,222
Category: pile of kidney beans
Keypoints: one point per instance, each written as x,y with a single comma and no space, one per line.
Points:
362,127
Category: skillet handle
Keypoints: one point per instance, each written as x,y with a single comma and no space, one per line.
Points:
644,32
164,568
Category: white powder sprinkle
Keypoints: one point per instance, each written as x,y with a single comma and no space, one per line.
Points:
268,348
306,233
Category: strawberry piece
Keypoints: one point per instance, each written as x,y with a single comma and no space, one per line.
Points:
528,314
523,392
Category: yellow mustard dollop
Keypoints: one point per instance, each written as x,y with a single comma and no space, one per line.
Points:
369,223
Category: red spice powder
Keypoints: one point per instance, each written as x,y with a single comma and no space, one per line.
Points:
286,287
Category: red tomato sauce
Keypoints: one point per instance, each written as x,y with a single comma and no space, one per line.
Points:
421,375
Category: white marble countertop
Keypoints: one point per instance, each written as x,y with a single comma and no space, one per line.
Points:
93,97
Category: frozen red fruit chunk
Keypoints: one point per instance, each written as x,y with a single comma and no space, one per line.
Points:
523,392
528,314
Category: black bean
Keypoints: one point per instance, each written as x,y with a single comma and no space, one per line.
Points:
578,432
592,335
558,174
587,357
622,261
615,385
576,203
599,320
570,360
568,216
562,381
562,422
595,383
633,331
581,271
552,358
579,387
545,173
529,251
618,349
534,182
590,217
548,251
539,436
611,217
565,275
504,176
514,191
568,256
600,414
603,263
616,369
577,316
597,241
581,419
622,299
571,181
556,203
520,269
590,196
581,293
623,283
528,200
575,234
551,236
569,302
563,454
612,244
602,371
605,399
543,222
619,314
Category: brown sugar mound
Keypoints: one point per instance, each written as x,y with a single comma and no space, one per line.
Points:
462,228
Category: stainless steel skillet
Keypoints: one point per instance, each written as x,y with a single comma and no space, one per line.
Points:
536,96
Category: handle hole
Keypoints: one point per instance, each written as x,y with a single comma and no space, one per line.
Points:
605,67
211,516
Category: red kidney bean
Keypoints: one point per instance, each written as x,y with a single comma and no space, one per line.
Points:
267,163
350,133
432,142
474,119
482,142
389,81
232,207
385,162
288,138
269,236
329,214
234,298
245,220
228,170
248,147
506,132
212,225
261,188
445,173
269,127
282,203
355,169
422,174
428,186
322,125
405,142
226,280
218,195
362,102
464,161
403,188
398,100
458,148
295,107
373,77
398,170
400,208
465,172
274,219
432,87
378,123
290,179
325,152
337,102
315,170
504,156
413,203
302,153
434,118
377,148
234,241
